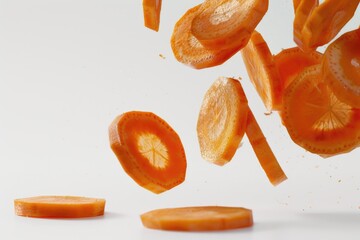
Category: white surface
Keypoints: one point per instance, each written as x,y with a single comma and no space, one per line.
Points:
67,68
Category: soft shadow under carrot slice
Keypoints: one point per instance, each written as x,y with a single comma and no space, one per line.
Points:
59,207
149,150
223,24
200,218
341,67
316,119
222,120
151,11
265,155
189,51
261,69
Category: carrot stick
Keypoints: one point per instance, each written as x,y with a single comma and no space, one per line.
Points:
151,11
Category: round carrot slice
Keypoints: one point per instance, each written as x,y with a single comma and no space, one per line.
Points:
222,120
201,218
316,119
341,67
149,150
189,51
151,11
262,72
59,207
223,24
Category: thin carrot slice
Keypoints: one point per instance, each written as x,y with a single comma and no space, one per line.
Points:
264,154
296,4
316,119
188,50
341,67
151,11
302,13
59,207
291,61
222,120
262,72
326,21
149,150
223,24
201,218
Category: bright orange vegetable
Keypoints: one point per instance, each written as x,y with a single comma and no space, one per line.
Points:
262,72
149,150
205,218
223,24
316,119
341,67
59,207
263,151
151,11
188,50
222,120
296,3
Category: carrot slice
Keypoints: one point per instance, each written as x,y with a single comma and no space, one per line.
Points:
296,4
262,72
188,50
59,207
149,150
265,155
223,24
326,21
151,11
341,67
201,218
316,119
222,120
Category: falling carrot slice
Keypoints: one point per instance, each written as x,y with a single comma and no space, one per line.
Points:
201,218
151,11
316,119
188,50
59,207
263,151
341,67
262,72
149,150
326,21
222,120
223,24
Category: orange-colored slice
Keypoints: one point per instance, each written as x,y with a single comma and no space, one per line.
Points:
151,11
341,67
189,51
149,150
202,218
59,207
316,119
223,24
262,72
296,3
222,120
264,154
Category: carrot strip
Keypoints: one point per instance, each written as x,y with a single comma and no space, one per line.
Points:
296,4
149,150
189,51
59,207
265,155
151,11
201,218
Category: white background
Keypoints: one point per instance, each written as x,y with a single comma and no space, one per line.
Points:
69,67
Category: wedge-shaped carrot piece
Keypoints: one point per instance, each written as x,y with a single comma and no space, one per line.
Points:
222,120
316,119
149,150
188,50
223,24
59,207
262,72
263,151
200,218
341,67
151,11
326,21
